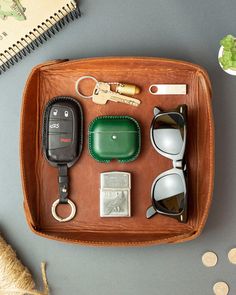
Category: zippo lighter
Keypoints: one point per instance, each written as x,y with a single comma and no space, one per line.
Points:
115,194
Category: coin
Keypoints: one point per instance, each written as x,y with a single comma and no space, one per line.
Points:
209,259
232,255
221,288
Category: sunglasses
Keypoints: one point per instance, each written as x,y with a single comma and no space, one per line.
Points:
168,137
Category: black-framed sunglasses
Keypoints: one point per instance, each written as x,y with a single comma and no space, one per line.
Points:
169,190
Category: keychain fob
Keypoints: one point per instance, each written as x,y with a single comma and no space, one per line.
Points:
62,143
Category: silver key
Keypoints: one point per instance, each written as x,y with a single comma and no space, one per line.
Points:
102,93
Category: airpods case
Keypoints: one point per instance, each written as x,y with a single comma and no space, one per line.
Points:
114,137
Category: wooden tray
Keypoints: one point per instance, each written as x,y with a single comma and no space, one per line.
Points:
40,179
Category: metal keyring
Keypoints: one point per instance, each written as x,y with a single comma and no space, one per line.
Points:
151,89
77,86
60,219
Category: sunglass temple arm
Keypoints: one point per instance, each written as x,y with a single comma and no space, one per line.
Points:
156,111
150,212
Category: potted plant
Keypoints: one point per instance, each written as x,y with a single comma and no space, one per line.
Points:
227,54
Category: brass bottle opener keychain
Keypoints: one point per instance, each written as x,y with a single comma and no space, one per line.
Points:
102,92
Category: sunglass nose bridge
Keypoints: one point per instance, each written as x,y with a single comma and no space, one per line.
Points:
178,164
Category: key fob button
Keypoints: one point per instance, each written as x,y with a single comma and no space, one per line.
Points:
54,113
57,141
65,113
59,112
60,126
54,126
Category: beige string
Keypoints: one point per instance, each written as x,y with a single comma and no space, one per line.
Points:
15,279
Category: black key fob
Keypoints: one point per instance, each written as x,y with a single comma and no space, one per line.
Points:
62,131
62,142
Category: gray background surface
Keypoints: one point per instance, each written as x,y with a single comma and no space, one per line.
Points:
183,29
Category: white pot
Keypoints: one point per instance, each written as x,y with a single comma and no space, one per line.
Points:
229,71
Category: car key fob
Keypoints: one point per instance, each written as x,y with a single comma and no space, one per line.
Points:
62,143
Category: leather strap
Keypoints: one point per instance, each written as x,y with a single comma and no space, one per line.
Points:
63,181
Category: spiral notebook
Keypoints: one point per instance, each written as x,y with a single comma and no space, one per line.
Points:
24,25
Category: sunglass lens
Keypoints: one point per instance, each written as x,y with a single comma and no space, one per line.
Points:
169,194
168,133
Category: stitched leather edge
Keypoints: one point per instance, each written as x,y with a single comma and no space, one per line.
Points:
114,117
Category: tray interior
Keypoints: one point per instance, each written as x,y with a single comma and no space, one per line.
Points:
40,179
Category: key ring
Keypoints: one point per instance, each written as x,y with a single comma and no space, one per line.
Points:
77,86
60,219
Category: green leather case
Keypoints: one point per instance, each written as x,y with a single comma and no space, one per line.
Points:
114,137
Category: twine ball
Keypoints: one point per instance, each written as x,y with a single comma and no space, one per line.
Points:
15,278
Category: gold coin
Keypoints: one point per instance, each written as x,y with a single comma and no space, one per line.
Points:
221,288
209,259
232,255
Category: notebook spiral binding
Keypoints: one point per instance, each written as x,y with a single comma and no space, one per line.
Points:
44,31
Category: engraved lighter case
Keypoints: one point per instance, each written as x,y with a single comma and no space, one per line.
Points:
115,194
